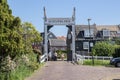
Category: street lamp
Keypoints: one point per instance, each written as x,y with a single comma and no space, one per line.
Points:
89,35
89,27
90,40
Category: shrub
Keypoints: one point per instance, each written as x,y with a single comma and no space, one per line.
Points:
117,52
33,66
103,48
25,65
60,52
7,64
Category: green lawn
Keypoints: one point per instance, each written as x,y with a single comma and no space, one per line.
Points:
97,62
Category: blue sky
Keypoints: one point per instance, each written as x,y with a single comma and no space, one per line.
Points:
102,12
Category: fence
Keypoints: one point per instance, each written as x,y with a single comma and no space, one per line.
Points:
98,57
82,58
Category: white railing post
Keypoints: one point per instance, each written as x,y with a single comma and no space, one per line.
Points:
79,58
42,58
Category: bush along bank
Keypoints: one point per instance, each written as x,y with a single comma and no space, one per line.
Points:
18,68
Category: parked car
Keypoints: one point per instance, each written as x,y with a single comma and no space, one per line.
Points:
115,62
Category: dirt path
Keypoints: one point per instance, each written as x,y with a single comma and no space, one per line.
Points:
62,70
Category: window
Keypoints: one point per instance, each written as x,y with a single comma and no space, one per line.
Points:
50,36
85,45
106,33
118,33
69,36
87,34
91,44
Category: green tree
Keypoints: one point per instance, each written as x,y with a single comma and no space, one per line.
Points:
30,35
117,41
11,42
103,48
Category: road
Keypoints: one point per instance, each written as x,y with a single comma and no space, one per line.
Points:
62,70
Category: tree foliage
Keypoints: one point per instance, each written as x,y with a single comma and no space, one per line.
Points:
30,35
117,51
103,49
117,41
15,43
12,40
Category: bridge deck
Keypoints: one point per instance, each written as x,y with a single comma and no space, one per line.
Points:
62,70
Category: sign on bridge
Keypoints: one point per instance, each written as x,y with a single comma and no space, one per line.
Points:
59,21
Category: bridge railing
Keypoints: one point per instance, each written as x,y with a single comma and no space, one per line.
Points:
42,58
79,58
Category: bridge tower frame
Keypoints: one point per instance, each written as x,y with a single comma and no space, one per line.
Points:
50,22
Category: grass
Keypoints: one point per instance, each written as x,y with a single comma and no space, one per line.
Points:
96,62
23,72
19,73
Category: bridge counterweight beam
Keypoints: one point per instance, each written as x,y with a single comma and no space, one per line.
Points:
46,41
73,42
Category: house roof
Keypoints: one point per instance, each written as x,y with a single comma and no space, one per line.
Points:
61,37
114,29
108,27
84,27
50,35
97,27
57,42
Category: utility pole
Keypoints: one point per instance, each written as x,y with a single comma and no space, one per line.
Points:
90,40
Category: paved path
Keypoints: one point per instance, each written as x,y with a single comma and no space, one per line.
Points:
62,70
